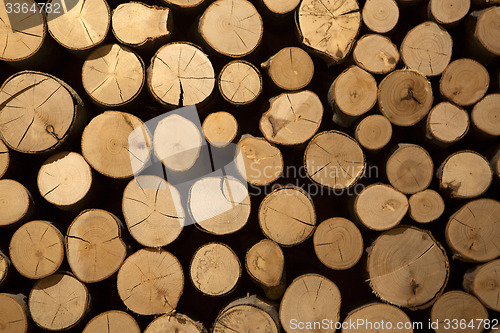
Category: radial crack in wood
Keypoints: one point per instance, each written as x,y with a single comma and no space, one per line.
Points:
112,321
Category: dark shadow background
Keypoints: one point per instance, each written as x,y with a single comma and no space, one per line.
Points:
300,259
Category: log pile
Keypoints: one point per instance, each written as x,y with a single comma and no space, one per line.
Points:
250,166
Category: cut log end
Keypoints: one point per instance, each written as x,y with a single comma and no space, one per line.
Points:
448,12
37,249
240,82
81,28
487,30
4,159
94,246
380,16
14,311
259,162
215,269
447,124
445,309
56,292
153,211
292,118
376,54
427,48
290,69
281,7
310,298
4,267
426,206
181,74
219,205
484,283
22,33
374,132
465,174
380,207
287,216
418,265
378,312
175,322
338,243
335,160
472,231
405,97
116,144
15,202
151,282
410,168
464,82
220,129
486,115
342,20
65,179
112,321
185,4
27,131
232,28
139,25
113,75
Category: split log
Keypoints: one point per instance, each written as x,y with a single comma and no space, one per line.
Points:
426,206
58,302
120,152
287,216
265,263
464,82
409,168
246,315
259,162
4,159
380,207
43,114
175,322
446,124
486,116
23,33
177,142
215,269
220,129
13,313
380,16
150,282
65,180
448,12
113,75
279,10
427,48
376,54
240,82
37,249
81,27
291,68
470,311
310,298
335,160
352,94
338,243
472,232
232,28
378,313
94,246
482,34
112,321
175,80
484,282
4,267
373,132
328,30
142,26
16,205
219,205
292,118
416,263
465,174
405,97
153,211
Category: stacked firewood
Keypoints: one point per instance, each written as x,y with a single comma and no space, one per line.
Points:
250,166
